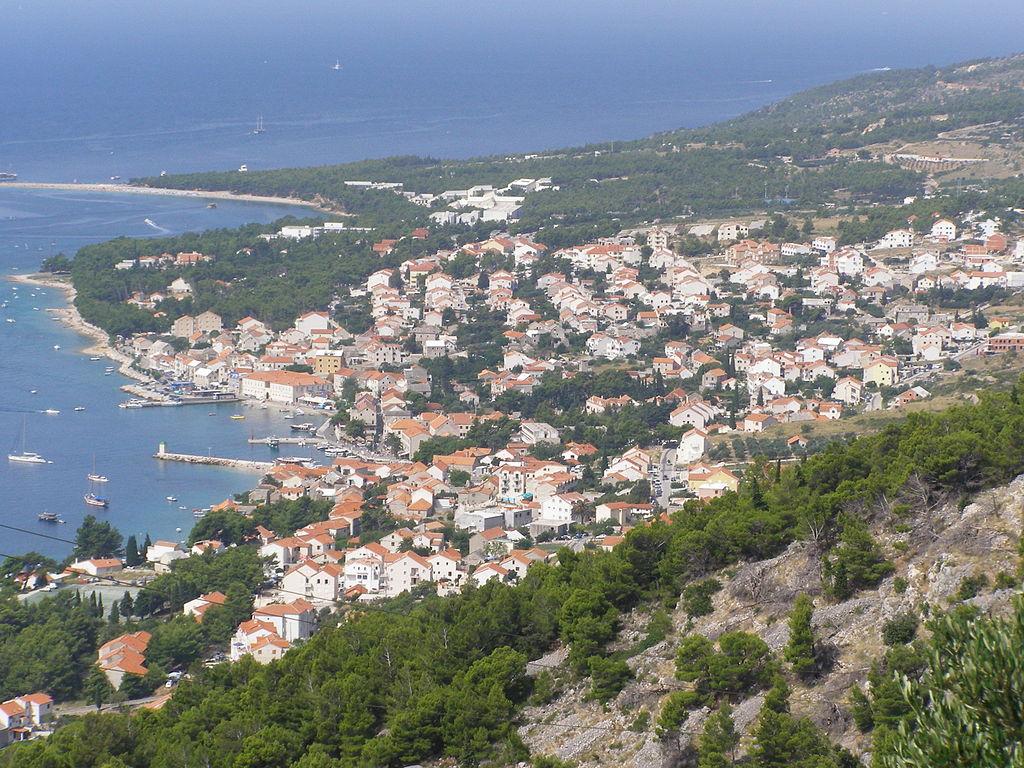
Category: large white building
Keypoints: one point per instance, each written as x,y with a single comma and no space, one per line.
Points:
282,386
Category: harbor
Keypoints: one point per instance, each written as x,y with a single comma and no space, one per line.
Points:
55,361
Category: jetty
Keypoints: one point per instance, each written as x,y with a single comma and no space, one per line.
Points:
216,461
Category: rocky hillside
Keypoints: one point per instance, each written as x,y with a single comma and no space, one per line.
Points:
934,550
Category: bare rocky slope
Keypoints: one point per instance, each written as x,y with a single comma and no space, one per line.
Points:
933,549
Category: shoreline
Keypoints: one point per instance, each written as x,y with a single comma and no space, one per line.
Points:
70,317
138,190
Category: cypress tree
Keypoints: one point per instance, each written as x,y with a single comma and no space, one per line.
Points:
131,552
127,605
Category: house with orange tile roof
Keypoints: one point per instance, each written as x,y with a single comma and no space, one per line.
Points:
322,582
292,621
488,572
258,639
197,607
124,655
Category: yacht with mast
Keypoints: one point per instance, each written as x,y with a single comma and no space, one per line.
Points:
26,456
259,126
94,476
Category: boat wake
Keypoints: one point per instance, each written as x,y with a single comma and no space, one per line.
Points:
154,225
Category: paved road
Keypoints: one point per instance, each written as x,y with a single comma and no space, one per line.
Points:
666,469
71,708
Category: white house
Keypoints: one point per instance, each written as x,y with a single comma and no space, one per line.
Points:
944,229
292,621
692,445
317,581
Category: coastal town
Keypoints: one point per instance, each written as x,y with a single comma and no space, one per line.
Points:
625,380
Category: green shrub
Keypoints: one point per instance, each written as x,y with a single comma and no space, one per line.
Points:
971,587
900,629
697,597
608,677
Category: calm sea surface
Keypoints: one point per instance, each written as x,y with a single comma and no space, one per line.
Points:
121,88
120,441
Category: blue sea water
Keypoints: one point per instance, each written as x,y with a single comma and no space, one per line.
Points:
122,88
118,87
119,441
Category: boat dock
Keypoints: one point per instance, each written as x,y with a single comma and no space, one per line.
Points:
309,439
144,393
217,461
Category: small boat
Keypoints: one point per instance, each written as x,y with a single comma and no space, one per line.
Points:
92,476
108,373
305,426
337,65
10,319
243,168
95,359
109,368
56,346
238,416
33,391
50,517
259,126
95,501
172,498
51,412
180,506
212,205
79,407
177,530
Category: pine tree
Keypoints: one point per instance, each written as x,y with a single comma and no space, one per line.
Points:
97,688
800,650
718,742
777,698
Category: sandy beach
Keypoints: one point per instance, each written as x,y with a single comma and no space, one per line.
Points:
136,190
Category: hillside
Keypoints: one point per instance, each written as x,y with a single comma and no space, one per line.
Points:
878,107
424,678
933,553
832,144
